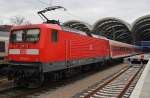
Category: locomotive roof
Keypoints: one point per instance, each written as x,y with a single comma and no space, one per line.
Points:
54,26
81,32
58,27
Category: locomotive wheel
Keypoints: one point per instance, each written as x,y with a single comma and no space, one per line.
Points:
36,82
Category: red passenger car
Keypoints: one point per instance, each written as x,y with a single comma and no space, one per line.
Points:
120,50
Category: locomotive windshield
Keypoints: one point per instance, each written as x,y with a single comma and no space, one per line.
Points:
29,35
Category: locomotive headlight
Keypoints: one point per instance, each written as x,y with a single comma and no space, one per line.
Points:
32,51
14,51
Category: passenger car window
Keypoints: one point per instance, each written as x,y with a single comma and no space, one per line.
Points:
54,36
2,46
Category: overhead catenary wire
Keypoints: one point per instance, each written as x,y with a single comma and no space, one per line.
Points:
42,2
67,12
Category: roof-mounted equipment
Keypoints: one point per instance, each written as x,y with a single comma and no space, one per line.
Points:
46,20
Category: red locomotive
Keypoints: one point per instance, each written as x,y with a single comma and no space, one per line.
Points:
35,50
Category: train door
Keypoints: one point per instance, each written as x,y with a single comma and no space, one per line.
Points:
67,52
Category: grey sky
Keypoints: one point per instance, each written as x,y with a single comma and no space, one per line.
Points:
85,10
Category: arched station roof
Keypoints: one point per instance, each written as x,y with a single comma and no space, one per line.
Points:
78,25
113,28
141,29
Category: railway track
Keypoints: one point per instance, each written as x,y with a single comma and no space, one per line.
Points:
20,92
5,84
119,85
14,92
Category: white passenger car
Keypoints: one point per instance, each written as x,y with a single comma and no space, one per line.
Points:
3,49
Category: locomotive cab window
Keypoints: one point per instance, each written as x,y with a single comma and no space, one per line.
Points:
16,36
54,36
32,35
29,35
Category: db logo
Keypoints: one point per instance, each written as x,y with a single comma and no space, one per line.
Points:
23,51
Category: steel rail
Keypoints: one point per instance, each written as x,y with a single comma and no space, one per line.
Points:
96,90
116,86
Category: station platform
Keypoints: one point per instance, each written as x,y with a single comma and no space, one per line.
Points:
137,58
142,88
146,56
